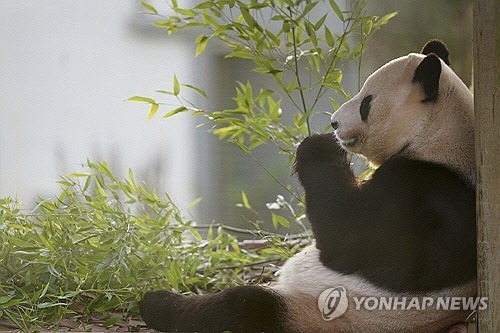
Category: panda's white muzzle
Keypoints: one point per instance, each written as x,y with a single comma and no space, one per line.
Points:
350,142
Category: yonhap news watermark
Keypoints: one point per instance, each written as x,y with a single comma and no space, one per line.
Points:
452,303
333,303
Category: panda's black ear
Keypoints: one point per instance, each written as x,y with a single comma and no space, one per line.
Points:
427,75
438,48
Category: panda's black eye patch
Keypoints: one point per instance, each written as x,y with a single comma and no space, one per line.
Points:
364,108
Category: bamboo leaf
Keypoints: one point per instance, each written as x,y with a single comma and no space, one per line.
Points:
385,19
320,22
202,44
205,5
175,111
195,234
141,99
337,10
195,202
177,87
286,26
244,199
247,17
308,8
280,220
152,110
367,28
149,8
239,54
77,174
329,37
199,91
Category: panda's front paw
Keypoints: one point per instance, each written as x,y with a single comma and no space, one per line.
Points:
159,309
319,148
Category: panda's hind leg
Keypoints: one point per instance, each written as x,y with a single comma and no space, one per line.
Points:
240,309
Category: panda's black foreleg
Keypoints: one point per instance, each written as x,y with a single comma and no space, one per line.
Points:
411,227
240,309
331,192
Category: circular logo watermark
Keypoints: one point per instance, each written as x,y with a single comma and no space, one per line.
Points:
332,303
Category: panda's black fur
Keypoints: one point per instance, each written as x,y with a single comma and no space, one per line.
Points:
409,229
238,309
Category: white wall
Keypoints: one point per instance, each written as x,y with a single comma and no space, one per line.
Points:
66,68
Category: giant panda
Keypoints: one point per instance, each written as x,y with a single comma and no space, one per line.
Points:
407,231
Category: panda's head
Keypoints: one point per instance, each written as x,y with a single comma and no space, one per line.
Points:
405,104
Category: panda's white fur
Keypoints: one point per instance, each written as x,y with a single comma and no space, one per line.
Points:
304,277
440,132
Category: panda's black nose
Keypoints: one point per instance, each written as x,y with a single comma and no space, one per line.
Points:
335,125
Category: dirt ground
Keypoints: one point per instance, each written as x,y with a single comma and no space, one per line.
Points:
69,325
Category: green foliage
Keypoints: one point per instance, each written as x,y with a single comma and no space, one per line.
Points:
103,241
295,45
285,43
